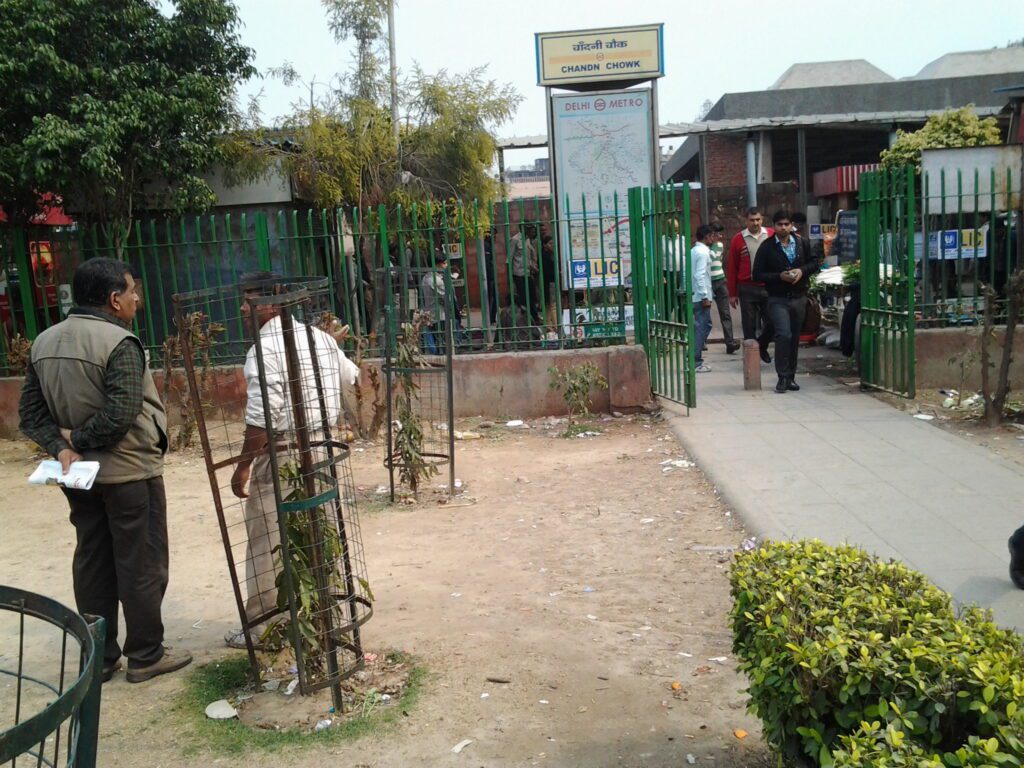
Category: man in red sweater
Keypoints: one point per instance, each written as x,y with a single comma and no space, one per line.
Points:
749,295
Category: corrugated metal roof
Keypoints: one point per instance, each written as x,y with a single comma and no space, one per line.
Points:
689,149
669,130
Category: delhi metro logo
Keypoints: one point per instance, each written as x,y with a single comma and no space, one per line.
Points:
599,105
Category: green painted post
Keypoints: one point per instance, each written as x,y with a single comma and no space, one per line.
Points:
262,240
909,345
691,352
639,261
25,282
89,712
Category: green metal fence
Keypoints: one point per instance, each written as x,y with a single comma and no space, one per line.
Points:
545,299
660,232
886,227
969,238
930,245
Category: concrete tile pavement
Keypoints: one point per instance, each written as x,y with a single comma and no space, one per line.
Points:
834,463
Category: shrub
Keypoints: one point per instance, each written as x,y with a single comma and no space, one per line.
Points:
846,652
576,383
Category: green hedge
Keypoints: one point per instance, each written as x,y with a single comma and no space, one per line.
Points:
853,661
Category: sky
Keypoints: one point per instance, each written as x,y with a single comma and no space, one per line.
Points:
711,48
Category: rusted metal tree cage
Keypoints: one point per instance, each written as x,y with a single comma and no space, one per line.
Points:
291,537
53,659
419,341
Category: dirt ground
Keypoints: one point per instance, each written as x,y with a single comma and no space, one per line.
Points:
579,569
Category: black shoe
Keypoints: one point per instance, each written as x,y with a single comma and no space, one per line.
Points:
1016,566
731,347
782,386
109,670
791,385
763,346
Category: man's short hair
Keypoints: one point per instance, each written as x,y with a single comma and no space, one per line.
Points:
95,279
260,281
703,231
799,217
753,211
716,227
782,215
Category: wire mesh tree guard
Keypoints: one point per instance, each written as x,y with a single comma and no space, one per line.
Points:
292,541
420,339
52,716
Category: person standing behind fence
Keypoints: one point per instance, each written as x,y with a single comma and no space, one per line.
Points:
550,278
744,291
253,467
433,304
700,287
523,255
88,394
720,290
784,264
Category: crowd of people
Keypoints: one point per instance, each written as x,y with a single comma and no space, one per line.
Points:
766,273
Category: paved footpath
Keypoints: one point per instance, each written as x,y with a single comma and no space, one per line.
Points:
833,463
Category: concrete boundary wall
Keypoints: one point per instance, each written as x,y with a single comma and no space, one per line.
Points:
497,385
935,347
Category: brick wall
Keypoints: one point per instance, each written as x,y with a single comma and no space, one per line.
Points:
728,205
726,161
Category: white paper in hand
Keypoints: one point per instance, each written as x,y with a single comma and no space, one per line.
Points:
81,476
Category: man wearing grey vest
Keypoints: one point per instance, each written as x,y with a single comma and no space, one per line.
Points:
88,394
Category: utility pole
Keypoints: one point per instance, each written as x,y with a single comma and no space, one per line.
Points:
394,69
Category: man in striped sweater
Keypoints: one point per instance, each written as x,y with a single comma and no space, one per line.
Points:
720,289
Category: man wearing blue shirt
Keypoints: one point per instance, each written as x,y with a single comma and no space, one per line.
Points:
784,263
700,286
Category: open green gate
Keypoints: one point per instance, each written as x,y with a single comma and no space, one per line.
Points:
659,231
887,227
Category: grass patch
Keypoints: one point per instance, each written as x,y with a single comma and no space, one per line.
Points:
224,679
578,428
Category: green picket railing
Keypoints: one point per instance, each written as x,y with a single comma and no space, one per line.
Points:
660,232
582,297
886,236
967,241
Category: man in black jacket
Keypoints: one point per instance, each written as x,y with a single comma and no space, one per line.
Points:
784,264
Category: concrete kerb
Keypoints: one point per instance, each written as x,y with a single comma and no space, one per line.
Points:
754,523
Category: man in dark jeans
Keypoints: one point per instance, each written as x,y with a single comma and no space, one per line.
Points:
88,394
784,264
744,292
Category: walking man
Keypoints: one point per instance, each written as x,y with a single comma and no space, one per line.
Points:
89,395
784,265
254,467
700,286
720,290
744,290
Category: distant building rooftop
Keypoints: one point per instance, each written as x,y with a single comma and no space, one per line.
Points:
993,61
826,73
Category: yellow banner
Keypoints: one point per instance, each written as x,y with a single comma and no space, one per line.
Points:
600,55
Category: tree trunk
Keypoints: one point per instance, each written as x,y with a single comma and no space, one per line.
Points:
991,417
1014,297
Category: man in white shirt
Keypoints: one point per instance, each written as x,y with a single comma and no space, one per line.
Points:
700,286
254,467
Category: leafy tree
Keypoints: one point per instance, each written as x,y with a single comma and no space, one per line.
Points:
953,128
363,20
103,101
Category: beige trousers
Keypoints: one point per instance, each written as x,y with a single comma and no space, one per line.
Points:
261,557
